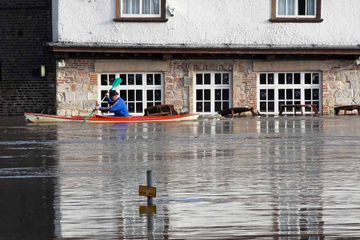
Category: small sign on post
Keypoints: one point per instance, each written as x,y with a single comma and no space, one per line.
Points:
150,192
147,191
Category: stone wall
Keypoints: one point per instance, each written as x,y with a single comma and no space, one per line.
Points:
25,30
77,82
77,87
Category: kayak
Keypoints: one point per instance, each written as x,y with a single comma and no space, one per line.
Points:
46,118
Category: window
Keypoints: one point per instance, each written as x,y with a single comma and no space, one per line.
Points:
296,11
139,90
212,92
140,10
276,89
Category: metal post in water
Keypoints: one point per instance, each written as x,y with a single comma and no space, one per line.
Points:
150,220
149,182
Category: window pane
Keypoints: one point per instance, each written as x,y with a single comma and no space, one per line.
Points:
226,78
225,105
226,94
131,95
310,7
199,79
289,78
307,78
138,79
301,7
149,79
270,94
103,94
263,106
123,77
262,94
262,78
157,79
138,95
290,7
315,78
270,78
207,107
217,94
207,78
297,78
130,6
199,95
150,7
207,94
199,107
104,81
217,78
307,94
123,94
139,107
297,93
271,106
111,78
131,80
289,93
149,95
281,7
217,106
158,95
131,107
281,94
281,78
315,94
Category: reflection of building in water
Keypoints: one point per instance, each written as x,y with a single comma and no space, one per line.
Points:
27,183
295,169
97,194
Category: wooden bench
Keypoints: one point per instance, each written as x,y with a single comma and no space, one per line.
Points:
314,108
347,108
237,110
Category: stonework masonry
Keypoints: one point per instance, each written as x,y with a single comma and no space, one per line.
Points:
77,82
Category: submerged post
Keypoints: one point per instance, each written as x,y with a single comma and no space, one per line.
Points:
149,183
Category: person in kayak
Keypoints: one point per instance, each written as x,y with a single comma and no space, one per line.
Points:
117,105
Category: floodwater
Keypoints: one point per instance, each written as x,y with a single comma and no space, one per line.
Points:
242,178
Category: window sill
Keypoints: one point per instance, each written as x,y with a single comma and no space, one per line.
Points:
296,20
140,19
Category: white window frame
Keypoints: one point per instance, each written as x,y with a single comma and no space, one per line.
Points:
276,87
212,87
144,87
140,14
296,10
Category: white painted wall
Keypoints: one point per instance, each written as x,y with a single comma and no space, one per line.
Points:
208,22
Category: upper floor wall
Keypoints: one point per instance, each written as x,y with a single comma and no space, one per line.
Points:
208,23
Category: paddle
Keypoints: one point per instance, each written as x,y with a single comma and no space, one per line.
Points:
116,83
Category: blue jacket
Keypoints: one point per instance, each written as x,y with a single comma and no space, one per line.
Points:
118,107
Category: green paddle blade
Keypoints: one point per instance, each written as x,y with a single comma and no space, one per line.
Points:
116,83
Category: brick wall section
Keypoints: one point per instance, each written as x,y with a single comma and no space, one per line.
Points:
25,30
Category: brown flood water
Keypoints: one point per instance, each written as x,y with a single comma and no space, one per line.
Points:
242,178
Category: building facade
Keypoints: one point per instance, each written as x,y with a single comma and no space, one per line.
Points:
205,56
27,66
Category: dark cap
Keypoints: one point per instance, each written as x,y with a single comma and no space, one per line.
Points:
113,93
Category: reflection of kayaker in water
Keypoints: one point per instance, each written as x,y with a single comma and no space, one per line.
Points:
117,105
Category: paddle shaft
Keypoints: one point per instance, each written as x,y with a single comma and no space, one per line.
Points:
116,83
